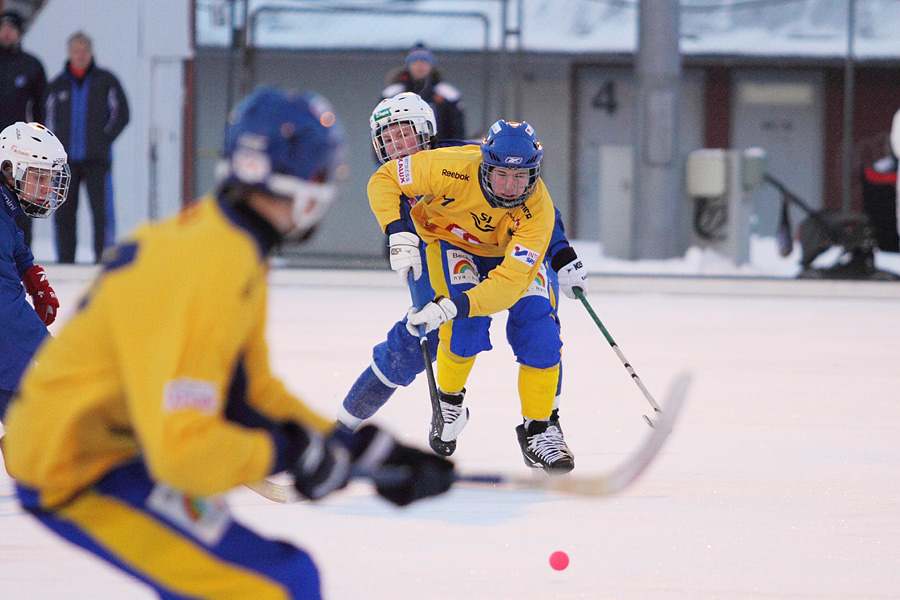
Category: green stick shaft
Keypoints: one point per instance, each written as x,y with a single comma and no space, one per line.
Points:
615,347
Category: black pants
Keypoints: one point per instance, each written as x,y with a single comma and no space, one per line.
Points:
95,175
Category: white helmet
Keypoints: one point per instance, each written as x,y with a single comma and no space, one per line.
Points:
394,143
33,161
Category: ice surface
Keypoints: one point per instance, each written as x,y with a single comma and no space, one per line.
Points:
779,481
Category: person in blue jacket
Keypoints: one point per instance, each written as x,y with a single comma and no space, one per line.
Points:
87,108
34,182
401,126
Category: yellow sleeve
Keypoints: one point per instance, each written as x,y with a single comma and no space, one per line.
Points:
408,176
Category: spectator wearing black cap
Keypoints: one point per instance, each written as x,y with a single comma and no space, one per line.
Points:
420,76
88,110
23,85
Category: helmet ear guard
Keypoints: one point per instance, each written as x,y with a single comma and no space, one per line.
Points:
513,146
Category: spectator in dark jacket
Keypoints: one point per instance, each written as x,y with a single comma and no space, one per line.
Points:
421,77
87,109
23,85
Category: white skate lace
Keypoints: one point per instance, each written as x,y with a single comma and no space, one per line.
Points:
548,446
450,412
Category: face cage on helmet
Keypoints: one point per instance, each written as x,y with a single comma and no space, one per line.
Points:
498,201
422,140
40,190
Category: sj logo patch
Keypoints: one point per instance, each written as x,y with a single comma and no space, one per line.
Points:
461,268
529,257
404,173
190,394
482,222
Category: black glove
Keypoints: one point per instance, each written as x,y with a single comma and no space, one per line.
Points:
401,474
323,465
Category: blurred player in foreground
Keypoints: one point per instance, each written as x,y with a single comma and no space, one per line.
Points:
133,422
34,181
487,221
402,126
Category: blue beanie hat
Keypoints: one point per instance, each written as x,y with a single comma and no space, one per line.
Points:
420,52
13,18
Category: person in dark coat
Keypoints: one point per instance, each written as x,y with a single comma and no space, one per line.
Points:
23,86
87,108
420,76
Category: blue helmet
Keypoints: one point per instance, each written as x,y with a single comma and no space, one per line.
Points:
285,144
510,145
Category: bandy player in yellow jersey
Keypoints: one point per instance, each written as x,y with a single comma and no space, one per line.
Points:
487,220
132,423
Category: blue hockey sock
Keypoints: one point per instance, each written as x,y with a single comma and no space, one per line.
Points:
367,395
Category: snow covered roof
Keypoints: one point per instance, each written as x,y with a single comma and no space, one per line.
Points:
787,28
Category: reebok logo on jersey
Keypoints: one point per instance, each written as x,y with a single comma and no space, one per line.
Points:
404,173
529,257
454,175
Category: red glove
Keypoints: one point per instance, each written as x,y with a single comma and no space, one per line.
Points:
42,295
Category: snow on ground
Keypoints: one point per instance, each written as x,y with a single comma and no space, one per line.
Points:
779,481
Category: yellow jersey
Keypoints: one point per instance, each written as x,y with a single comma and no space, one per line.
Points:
170,336
452,207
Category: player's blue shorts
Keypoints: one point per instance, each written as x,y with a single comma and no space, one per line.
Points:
532,326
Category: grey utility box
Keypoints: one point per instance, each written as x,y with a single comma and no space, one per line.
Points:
720,182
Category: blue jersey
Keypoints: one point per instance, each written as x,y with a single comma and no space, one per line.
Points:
21,330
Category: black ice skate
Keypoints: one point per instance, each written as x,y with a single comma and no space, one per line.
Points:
543,447
554,420
442,438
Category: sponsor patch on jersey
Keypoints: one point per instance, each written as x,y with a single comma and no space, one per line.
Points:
461,267
404,172
190,394
540,285
205,518
529,257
